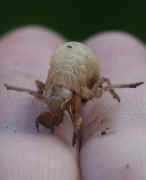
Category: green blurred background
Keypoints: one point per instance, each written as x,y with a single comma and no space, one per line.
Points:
76,20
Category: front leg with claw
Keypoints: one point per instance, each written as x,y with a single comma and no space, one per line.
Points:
37,94
77,121
45,120
100,88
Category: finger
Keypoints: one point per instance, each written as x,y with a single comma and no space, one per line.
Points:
29,49
129,66
120,154
117,156
24,58
117,51
28,156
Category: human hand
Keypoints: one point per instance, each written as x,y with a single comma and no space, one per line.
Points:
25,154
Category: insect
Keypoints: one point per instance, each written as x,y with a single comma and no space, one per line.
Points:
73,77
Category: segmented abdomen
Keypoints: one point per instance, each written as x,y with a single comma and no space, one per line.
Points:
73,67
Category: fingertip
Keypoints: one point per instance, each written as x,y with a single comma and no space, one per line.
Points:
28,49
119,42
32,33
120,54
28,42
39,156
117,156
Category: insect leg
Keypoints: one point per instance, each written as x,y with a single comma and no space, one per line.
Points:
29,91
111,90
86,93
111,87
131,85
15,88
45,120
37,123
77,121
40,86
99,89
77,131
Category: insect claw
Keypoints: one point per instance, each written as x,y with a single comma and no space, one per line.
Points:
6,86
115,95
52,129
74,139
107,131
76,135
132,85
37,125
135,85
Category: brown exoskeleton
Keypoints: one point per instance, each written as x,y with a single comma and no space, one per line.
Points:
73,77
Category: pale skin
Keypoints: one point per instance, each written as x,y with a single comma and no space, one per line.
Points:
20,144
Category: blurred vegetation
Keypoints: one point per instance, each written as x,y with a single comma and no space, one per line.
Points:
76,19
